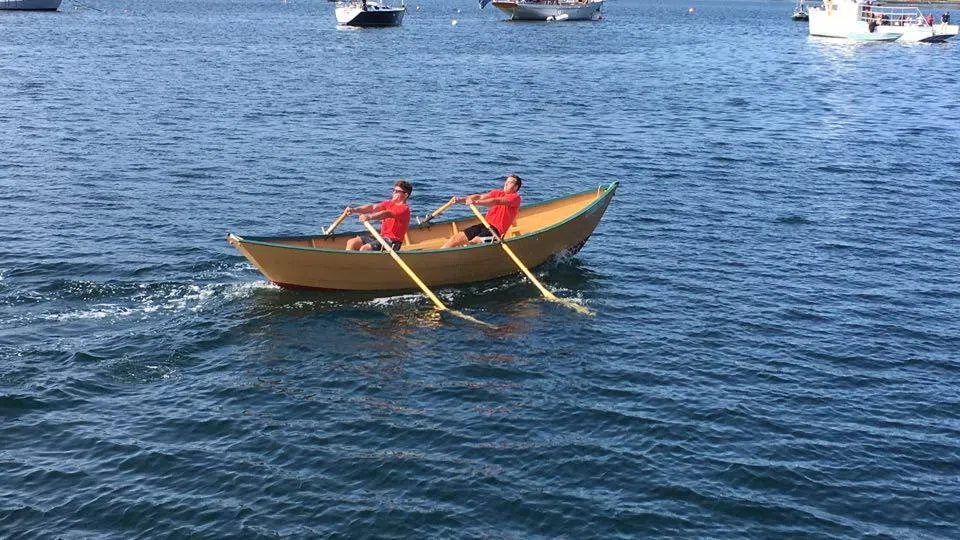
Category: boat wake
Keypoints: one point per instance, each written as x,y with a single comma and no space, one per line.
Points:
65,300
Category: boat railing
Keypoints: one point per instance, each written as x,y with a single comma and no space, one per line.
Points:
892,15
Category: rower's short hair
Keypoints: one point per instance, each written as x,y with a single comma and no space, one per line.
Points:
407,187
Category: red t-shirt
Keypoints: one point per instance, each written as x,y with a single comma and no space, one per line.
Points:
394,227
502,216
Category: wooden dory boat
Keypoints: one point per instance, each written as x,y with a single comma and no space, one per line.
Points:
541,231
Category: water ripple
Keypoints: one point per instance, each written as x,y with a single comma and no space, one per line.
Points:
775,285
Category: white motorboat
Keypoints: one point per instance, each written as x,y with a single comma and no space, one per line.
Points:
548,10
30,5
800,12
368,13
858,19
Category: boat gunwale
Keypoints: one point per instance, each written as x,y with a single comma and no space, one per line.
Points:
610,189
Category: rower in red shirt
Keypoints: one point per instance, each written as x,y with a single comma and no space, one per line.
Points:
395,216
504,205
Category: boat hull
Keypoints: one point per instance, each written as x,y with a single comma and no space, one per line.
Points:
292,263
354,15
526,11
937,33
30,5
856,20
876,36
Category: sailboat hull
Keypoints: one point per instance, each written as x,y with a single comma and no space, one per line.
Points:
544,11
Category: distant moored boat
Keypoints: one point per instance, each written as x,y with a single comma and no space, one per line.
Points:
800,13
368,13
548,10
858,19
30,5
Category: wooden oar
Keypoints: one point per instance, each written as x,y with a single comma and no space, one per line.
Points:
423,287
547,294
439,211
336,223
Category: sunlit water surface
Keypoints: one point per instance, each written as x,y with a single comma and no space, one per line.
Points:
776,282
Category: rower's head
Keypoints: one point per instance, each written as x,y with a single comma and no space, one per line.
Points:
402,190
512,183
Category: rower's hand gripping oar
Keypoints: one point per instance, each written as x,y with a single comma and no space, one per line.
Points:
547,294
336,223
423,287
438,211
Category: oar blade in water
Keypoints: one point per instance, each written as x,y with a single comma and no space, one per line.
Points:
466,317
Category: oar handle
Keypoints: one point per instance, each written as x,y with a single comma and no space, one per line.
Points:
440,210
336,223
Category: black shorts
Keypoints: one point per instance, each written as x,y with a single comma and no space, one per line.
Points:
481,231
395,244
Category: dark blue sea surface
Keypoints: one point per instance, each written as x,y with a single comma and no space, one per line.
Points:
776,283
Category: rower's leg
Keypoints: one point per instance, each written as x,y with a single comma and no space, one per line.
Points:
456,240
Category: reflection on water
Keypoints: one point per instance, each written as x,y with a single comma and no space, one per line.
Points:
514,296
491,358
764,175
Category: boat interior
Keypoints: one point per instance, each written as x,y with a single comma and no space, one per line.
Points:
530,219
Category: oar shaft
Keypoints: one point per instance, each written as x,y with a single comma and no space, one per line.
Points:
513,256
440,210
337,223
423,287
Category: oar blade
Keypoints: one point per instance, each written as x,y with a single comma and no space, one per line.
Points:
466,317
416,279
523,268
583,310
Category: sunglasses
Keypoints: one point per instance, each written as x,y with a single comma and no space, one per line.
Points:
398,190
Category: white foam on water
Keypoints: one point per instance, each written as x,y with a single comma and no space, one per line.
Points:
190,297
237,291
176,298
385,301
240,270
97,311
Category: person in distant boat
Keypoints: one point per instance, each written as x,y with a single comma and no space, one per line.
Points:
930,19
504,205
945,18
394,215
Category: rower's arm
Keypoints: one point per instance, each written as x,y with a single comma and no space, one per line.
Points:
360,209
490,201
376,216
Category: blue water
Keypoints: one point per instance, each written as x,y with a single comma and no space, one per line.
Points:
776,282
